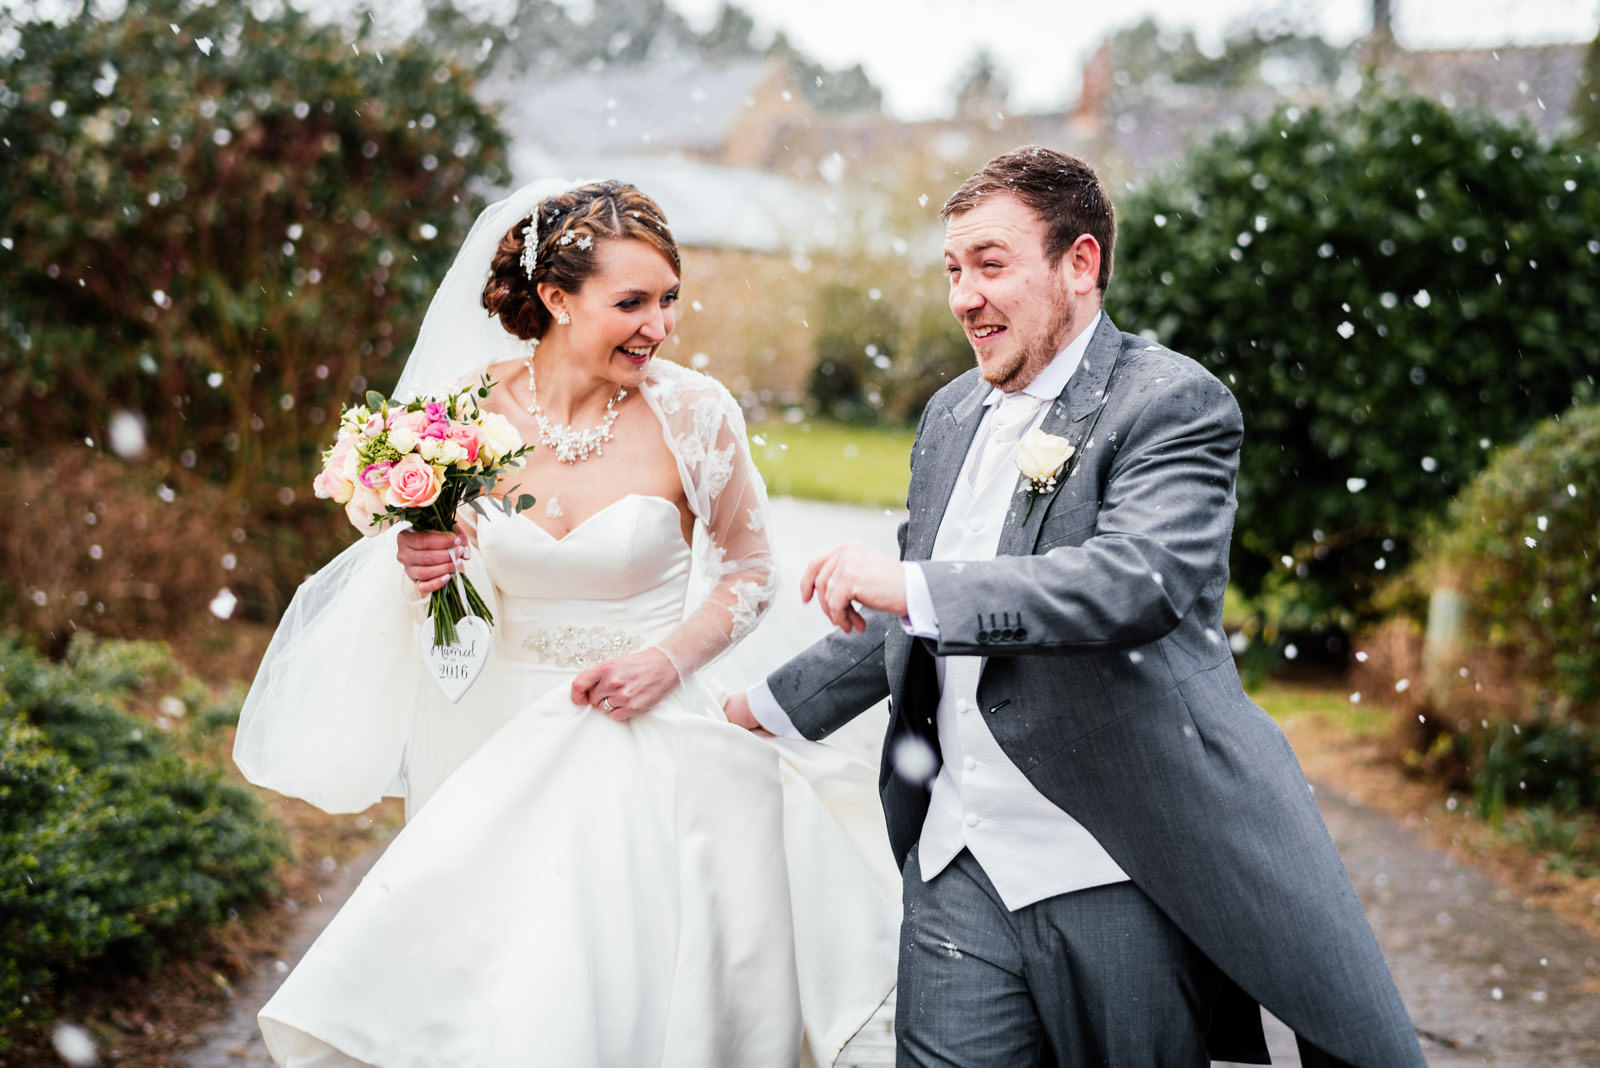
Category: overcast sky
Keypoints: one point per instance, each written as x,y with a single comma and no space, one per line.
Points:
915,49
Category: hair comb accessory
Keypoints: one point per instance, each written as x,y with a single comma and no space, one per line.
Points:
530,245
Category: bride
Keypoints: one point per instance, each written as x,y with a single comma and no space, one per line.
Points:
597,869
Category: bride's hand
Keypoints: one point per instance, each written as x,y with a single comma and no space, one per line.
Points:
624,687
430,558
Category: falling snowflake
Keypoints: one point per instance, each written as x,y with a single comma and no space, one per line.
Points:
74,1045
223,604
913,758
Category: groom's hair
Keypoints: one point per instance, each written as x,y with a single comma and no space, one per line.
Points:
1062,190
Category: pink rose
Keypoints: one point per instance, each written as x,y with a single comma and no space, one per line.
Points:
439,430
415,422
364,503
376,476
329,484
333,481
466,435
413,483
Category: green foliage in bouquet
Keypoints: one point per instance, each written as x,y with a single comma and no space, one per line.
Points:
114,846
1390,289
222,219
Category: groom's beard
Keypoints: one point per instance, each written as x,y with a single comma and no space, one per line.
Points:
1015,370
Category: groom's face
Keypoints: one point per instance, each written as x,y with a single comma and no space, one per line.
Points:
1016,308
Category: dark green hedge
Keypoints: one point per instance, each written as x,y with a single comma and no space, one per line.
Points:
223,225
1391,289
115,846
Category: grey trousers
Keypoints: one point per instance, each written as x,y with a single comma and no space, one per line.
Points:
1095,977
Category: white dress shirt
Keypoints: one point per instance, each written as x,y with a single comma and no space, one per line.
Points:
1028,847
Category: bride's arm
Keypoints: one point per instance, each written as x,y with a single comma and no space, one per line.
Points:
706,432
727,494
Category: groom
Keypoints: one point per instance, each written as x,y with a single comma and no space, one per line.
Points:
1110,855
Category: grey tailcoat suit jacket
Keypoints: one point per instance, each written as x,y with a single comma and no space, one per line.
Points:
1110,684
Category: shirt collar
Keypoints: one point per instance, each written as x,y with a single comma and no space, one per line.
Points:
1049,383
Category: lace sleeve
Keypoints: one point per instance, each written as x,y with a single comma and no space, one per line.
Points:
705,430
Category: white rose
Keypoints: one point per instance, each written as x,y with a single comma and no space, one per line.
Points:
1041,456
354,419
403,440
442,451
499,436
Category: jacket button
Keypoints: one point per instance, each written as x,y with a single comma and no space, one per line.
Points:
1022,634
983,637
1007,634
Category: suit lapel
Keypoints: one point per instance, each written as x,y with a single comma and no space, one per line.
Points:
949,441
1072,416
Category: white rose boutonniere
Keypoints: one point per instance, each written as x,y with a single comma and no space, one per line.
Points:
1041,458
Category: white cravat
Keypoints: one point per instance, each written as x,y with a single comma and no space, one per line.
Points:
1015,413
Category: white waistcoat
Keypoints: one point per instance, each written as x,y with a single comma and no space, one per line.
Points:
1029,848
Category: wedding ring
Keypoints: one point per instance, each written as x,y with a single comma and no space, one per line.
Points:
605,703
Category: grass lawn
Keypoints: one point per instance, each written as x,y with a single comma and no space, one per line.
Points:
1285,701
825,461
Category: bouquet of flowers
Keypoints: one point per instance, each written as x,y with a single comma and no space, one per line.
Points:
418,462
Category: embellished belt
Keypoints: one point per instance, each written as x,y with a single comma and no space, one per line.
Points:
570,646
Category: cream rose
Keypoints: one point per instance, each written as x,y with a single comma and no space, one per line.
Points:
1041,456
500,438
402,440
413,483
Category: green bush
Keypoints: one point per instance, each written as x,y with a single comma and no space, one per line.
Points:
855,345
885,343
1507,704
221,225
114,847
1520,546
1391,289
1546,760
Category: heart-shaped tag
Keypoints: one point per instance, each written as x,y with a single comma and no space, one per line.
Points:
455,667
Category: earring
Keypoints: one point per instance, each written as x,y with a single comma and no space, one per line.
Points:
563,318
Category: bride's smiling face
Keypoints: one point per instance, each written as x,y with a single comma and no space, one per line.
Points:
622,313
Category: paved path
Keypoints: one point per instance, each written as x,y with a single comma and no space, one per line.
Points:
1488,980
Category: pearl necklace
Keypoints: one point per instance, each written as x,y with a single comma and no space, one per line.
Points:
570,444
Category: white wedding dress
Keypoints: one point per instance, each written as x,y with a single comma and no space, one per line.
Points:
569,890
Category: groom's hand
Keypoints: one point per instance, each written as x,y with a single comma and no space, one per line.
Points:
853,576
737,709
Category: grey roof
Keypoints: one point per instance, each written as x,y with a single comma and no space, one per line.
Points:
1536,82
711,206
632,109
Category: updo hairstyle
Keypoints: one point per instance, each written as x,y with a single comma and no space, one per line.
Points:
570,226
